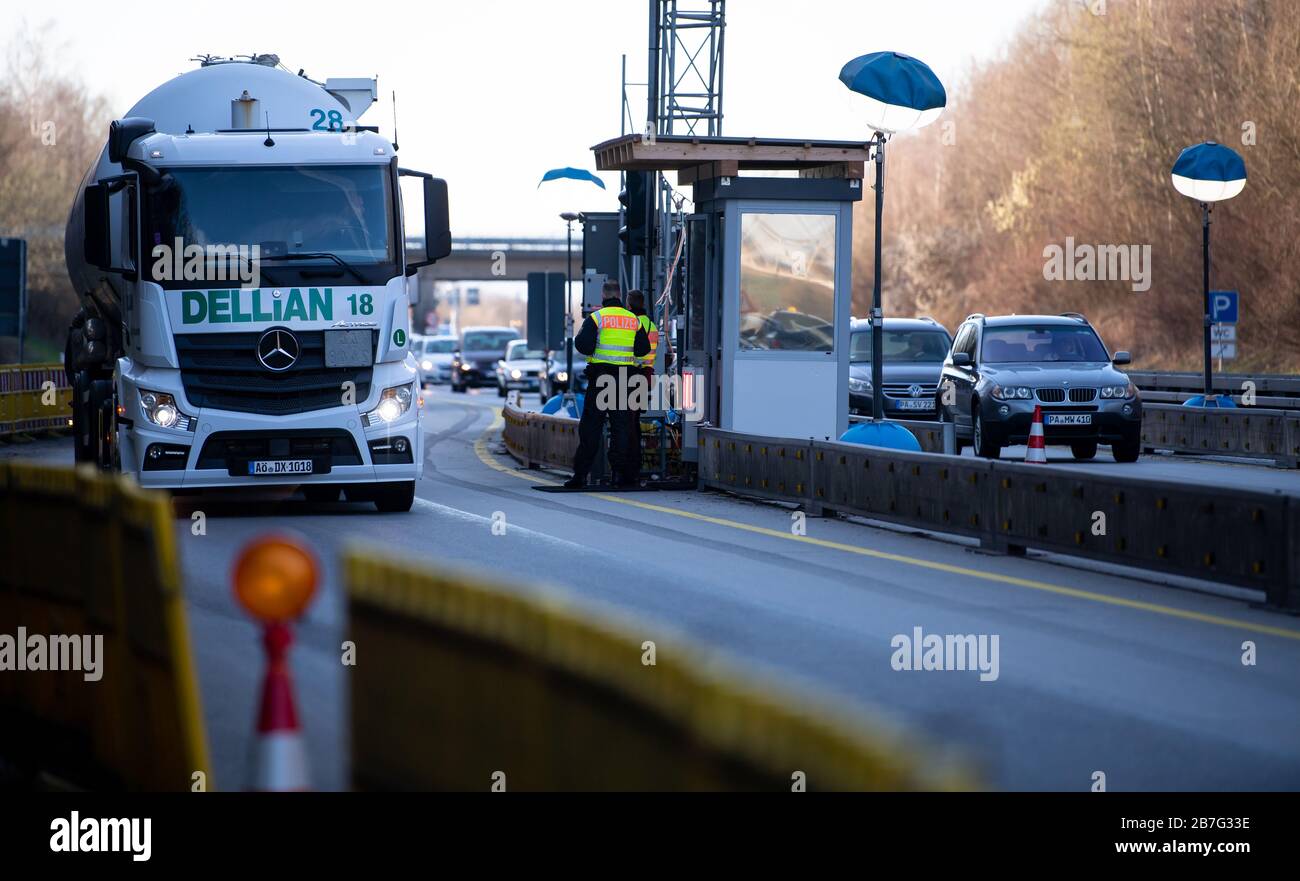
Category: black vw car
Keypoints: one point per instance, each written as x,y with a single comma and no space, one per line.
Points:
914,349
474,362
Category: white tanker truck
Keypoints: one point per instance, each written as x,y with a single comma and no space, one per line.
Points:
239,251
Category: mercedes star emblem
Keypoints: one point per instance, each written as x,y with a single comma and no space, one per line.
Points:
277,349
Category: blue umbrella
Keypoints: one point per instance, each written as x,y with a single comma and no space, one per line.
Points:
902,92
1209,172
572,174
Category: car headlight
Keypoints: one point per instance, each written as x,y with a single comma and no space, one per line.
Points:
516,374
562,376
1011,393
465,367
426,364
392,404
160,409
1118,391
860,385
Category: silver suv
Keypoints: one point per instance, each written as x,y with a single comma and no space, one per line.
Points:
1000,367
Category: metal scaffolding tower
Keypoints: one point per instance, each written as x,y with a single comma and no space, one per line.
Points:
686,66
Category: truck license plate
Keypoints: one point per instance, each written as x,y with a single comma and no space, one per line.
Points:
1068,419
280,466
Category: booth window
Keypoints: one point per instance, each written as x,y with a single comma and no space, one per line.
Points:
787,282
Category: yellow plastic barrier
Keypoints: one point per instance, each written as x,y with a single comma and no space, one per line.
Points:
34,397
94,555
460,685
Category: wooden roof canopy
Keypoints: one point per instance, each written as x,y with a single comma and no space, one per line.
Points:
701,157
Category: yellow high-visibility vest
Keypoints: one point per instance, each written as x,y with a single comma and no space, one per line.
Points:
653,333
617,336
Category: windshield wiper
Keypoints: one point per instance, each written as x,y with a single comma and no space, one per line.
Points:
317,255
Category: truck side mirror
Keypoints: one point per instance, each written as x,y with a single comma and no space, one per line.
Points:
437,221
122,133
97,238
1121,358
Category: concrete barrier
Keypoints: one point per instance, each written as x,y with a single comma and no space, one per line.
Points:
1240,537
24,390
1272,391
1245,432
93,555
465,684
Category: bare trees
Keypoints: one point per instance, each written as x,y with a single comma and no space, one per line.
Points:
1073,134
50,129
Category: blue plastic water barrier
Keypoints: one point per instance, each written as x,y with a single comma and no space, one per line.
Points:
552,407
1212,401
884,433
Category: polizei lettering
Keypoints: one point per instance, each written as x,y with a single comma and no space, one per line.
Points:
228,307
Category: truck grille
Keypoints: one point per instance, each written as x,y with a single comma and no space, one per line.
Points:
221,371
233,449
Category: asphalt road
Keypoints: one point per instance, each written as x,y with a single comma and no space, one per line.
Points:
1099,670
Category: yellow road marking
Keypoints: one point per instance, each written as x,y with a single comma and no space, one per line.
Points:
489,459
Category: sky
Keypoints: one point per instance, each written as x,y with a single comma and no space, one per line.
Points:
492,93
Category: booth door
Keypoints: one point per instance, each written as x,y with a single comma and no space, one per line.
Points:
785,319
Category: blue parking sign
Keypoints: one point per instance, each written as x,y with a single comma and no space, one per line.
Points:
1223,307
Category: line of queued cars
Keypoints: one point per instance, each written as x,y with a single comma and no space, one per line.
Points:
999,368
489,356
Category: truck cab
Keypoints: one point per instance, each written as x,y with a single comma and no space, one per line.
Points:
249,306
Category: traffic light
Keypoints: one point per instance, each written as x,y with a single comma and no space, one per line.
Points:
635,200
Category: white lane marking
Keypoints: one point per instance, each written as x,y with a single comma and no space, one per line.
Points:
511,528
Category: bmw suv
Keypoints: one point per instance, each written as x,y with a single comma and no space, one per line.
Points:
1001,367
913,350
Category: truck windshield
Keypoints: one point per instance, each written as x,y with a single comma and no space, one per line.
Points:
344,211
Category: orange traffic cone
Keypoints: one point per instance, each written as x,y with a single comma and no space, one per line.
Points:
279,756
1036,451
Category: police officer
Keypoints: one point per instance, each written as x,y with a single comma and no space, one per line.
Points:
645,370
612,339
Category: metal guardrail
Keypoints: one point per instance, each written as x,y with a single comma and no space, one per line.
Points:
139,726
524,689
933,436
1272,391
1244,432
1239,537
34,397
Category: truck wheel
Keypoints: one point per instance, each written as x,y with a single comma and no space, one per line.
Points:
395,497
1084,450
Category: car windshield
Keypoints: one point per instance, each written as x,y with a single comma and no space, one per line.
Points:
1041,343
439,347
523,353
343,210
903,346
485,340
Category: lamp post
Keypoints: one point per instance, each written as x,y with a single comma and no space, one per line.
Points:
569,217
1208,173
902,94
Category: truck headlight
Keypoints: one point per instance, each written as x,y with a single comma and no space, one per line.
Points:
160,409
862,386
392,404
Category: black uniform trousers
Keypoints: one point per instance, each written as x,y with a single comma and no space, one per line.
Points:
624,424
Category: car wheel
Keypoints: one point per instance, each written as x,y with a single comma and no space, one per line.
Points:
1084,450
982,440
1128,449
457,389
945,418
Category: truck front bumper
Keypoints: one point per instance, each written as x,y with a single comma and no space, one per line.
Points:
215,447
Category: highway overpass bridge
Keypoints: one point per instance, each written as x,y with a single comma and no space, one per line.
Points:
487,258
